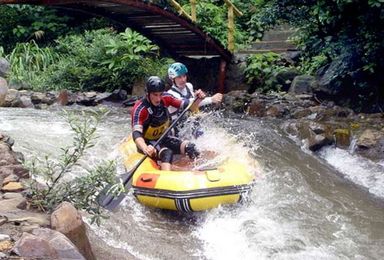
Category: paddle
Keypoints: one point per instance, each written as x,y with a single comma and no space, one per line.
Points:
109,200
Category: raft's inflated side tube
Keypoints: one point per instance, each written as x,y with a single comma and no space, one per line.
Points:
186,190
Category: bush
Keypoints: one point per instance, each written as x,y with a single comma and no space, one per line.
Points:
261,69
49,187
346,31
101,60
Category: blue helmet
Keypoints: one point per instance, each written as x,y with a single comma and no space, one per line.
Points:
177,69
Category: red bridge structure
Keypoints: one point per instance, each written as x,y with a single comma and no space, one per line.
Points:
176,35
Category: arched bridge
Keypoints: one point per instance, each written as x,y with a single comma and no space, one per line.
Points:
174,34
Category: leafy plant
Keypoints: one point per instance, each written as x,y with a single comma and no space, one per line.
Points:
345,33
260,70
28,61
130,47
49,185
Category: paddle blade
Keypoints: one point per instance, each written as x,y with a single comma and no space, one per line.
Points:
111,196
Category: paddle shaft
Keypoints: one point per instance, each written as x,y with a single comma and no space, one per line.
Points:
111,201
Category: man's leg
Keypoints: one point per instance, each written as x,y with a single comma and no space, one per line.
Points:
189,149
166,157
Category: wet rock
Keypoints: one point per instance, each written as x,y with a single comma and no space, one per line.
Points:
63,98
3,91
371,144
16,169
118,95
68,221
32,246
100,97
12,187
285,78
234,78
4,67
277,111
12,99
316,142
237,101
7,140
303,84
368,139
12,195
87,98
42,98
290,128
5,245
342,138
257,108
26,102
11,204
3,220
138,88
301,112
4,237
64,248
10,178
317,128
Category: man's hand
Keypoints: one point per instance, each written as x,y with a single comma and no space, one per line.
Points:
217,98
200,94
150,151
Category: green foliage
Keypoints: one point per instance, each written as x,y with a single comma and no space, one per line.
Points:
345,30
22,23
28,61
130,47
212,18
311,65
97,60
43,24
261,69
49,185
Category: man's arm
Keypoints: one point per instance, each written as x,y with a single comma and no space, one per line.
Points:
147,149
139,116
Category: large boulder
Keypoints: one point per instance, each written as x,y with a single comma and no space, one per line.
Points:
13,99
303,84
285,78
45,243
67,220
3,91
334,77
371,144
4,67
138,88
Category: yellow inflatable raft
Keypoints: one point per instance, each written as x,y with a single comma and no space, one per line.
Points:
185,191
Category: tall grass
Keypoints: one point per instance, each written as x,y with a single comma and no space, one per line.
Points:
28,61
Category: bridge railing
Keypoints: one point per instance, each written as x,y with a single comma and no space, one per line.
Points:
232,12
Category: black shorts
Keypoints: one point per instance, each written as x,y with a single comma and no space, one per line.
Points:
171,142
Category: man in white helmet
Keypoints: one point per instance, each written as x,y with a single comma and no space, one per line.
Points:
182,89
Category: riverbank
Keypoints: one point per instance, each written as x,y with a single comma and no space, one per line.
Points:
315,123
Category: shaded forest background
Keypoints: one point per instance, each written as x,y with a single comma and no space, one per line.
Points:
51,49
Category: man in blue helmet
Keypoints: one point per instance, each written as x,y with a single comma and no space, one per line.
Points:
150,119
181,88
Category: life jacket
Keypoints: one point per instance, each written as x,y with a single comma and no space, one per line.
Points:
158,120
175,91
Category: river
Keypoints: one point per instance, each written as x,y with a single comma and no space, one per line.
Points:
302,206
